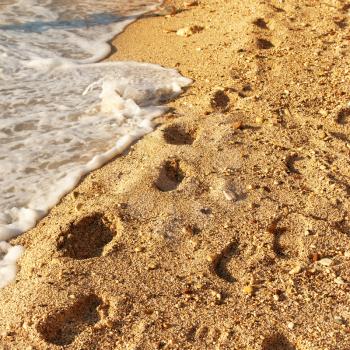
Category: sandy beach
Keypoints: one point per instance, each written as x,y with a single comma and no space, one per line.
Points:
228,226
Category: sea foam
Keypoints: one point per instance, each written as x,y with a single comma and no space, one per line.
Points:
62,114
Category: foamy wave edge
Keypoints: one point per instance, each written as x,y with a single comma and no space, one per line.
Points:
24,219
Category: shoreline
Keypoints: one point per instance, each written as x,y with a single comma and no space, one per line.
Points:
226,227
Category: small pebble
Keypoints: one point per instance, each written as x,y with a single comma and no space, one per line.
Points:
339,320
307,232
152,266
290,325
325,262
259,120
323,112
210,258
295,270
249,289
237,125
190,3
347,254
229,195
339,280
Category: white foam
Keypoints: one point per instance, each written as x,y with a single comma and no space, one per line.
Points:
9,255
61,114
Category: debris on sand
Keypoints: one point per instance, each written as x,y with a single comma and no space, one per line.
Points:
188,31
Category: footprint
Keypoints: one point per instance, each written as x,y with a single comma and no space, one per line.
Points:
220,101
345,8
87,238
264,44
203,334
288,236
260,22
290,164
341,23
64,325
170,176
277,342
223,259
343,115
178,135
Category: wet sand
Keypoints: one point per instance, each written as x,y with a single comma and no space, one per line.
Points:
227,227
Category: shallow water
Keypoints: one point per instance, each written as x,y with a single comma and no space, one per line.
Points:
63,114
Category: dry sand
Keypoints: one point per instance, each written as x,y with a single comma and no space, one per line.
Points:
226,228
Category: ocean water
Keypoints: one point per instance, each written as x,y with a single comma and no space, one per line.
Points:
63,112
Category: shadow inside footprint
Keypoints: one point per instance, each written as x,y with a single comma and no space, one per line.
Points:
221,262
264,44
62,327
277,342
290,164
170,176
178,135
343,115
260,22
87,238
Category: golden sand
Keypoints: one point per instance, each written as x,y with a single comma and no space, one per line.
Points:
227,227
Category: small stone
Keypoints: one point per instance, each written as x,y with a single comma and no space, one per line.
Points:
216,295
55,261
297,269
4,334
109,323
229,195
322,134
138,249
72,296
314,257
339,320
194,243
152,266
249,289
237,125
210,258
307,232
347,254
276,297
122,205
190,3
323,112
290,325
259,120
339,280
325,262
